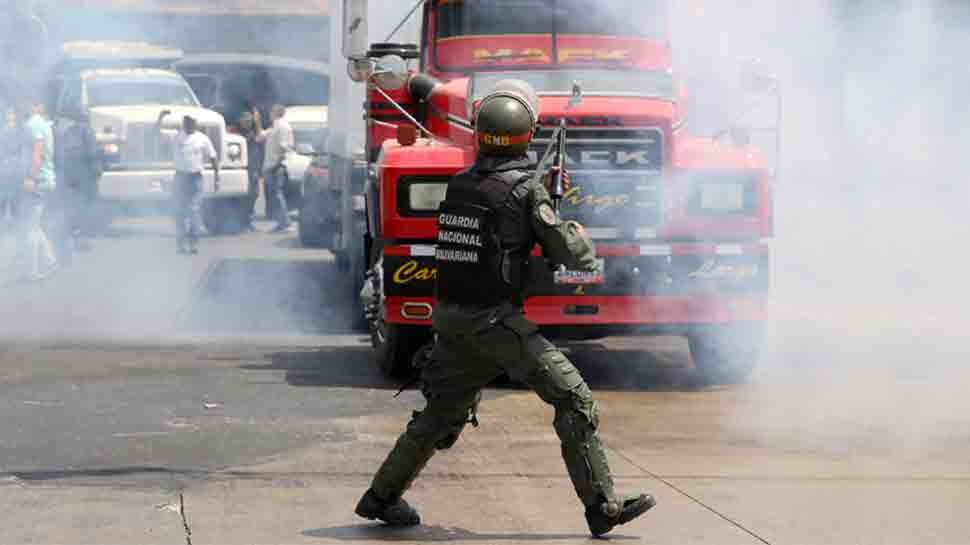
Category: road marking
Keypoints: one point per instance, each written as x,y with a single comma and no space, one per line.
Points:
44,403
137,434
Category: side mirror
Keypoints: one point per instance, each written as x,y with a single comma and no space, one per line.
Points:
354,29
359,69
391,72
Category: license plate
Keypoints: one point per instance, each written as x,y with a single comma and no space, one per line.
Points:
582,277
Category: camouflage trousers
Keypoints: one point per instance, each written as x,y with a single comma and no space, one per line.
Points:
470,351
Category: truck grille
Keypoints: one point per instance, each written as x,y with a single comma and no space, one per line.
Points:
144,145
616,173
640,149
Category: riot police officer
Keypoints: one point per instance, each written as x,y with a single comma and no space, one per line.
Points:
493,215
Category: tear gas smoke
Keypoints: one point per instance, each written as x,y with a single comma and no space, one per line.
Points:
869,256
133,287
871,229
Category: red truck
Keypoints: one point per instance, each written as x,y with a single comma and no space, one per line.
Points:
682,223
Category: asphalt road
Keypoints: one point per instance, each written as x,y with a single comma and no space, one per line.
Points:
139,385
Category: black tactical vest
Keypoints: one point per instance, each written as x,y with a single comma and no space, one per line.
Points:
474,268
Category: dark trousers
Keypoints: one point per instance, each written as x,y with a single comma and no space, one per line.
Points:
253,194
8,206
276,193
188,207
472,350
65,217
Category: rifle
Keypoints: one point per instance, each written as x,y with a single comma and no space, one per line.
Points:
558,147
557,188
557,150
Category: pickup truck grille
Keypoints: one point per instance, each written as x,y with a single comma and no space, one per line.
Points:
145,145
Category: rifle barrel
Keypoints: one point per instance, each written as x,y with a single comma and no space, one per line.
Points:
557,187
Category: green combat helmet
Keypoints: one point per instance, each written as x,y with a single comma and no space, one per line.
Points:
506,119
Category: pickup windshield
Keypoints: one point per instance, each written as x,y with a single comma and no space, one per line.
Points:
617,18
139,91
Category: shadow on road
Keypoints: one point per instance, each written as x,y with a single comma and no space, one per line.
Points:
379,532
604,368
124,230
291,242
347,367
655,365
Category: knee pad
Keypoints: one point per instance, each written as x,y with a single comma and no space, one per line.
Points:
576,420
439,431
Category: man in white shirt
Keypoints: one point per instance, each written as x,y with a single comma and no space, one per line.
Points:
279,140
192,150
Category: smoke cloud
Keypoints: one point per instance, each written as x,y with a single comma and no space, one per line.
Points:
869,255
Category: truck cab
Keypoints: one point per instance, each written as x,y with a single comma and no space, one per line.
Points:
682,223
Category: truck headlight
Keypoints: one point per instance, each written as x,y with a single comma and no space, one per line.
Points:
723,195
426,197
421,195
112,148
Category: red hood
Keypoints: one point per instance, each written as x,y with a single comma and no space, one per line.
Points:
450,100
605,111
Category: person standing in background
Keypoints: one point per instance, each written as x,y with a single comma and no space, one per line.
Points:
78,165
10,169
192,150
36,252
279,141
250,129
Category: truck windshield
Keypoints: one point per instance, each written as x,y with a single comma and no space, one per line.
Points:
641,83
139,91
619,18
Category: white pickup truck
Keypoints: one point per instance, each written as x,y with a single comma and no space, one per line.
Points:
123,106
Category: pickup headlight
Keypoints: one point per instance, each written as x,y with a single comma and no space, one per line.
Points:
234,152
421,195
110,153
723,194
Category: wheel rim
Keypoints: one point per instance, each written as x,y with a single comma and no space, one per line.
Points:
379,322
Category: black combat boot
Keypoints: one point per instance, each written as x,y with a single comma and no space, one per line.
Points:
393,513
603,517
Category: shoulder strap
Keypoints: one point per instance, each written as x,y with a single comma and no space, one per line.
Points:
512,177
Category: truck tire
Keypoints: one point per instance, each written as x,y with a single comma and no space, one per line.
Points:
725,354
224,216
395,345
